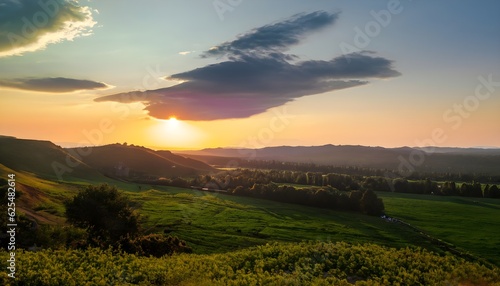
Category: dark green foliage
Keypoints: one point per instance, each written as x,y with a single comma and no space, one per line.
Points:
156,245
370,204
494,192
56,236
104,212
449,189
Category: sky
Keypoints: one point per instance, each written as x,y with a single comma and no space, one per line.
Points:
239,73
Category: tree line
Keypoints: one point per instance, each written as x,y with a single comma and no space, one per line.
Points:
247,178
364,171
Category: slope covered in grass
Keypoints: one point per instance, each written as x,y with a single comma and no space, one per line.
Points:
471,224
218,223
125,161
44,159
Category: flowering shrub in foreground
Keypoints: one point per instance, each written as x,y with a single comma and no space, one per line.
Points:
307,263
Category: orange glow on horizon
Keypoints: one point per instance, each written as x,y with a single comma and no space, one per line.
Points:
174,133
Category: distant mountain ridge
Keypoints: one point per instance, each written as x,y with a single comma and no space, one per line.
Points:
431,159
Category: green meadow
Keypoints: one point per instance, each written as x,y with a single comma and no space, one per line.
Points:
218,223
471,224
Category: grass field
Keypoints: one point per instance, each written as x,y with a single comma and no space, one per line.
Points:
471,224
213,223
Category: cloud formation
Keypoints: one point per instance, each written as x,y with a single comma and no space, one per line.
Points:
27,25
274,38
258,75
51,84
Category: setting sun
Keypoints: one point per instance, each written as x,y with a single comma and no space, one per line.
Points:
175,134
173,122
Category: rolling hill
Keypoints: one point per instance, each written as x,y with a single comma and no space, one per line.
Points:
96,164
125,161
44,159
456,160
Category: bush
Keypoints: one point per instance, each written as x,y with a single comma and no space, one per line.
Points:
105,213
156,245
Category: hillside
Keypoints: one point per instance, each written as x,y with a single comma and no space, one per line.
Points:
44,159
456,160
130,162
184,161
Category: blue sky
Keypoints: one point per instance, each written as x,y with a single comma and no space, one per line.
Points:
436,49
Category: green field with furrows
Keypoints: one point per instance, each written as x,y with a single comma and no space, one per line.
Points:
217,223
471,224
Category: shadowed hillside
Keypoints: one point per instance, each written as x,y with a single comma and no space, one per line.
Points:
131,162
183,161
45,159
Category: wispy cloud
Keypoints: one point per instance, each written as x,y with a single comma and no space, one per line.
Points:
258,75
52,84
185,53
27,25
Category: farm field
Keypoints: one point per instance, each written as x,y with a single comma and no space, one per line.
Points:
218,223
471,224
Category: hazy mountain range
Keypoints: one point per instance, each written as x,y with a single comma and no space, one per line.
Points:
433,159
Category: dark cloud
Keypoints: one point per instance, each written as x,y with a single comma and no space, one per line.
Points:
51,84
29,25
258,75
274,38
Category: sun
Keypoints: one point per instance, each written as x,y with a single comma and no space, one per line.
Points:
173,121
174,133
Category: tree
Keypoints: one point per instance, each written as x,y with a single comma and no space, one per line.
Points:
104,212
355,200
494,192
400,185
371,204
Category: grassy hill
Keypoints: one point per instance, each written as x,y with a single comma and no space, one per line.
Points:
44,159
123,161
184,161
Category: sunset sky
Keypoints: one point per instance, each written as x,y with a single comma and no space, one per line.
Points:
247,73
